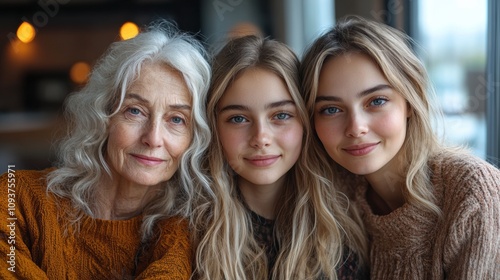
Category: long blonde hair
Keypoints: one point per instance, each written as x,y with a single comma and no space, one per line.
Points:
312,225
390,49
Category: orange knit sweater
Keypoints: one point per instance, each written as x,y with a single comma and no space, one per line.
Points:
34,244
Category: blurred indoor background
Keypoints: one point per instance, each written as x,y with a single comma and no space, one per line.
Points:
457,40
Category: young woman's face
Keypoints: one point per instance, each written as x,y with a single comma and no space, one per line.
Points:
151,130
258,126
358,117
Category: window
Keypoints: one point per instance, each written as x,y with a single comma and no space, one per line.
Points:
452,34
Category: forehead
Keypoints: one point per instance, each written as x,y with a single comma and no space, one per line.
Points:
157,81
352,71
256,85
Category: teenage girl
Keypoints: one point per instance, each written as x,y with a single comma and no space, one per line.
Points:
269,213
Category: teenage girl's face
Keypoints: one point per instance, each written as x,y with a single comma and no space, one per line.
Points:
359,118
258,127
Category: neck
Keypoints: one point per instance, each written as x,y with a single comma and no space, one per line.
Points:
386,192
261,199
121,201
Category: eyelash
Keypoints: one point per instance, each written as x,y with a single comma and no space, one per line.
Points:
180,120
233,119
275,116
287,116
384,99
130,109
323,111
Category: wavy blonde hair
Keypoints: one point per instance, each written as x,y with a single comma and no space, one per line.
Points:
390,49
313,223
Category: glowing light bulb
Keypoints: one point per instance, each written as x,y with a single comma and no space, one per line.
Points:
79,72
129,30
26,32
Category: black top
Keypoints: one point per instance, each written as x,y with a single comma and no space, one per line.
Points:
263,229
263,233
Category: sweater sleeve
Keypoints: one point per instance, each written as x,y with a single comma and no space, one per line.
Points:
15,252
473,249
175,261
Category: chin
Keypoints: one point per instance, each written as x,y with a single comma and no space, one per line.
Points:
264,181
146,181
360,170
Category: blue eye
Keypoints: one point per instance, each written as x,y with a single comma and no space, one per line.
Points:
282,116
134,111
177,120
330,110
237,119
378,101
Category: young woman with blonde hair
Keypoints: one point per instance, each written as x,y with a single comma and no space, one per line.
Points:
431,211
269,213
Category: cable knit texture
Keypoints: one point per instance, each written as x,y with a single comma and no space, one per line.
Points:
103,249
464,244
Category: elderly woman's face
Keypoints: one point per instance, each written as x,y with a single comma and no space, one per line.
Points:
152,128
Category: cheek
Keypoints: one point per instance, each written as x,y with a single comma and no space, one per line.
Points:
119,137
118,140
292,137
392,125
229,142
327,133
232,147
178,145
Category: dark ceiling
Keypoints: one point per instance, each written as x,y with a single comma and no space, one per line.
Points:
89,13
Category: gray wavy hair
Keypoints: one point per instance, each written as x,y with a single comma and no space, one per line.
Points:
81,155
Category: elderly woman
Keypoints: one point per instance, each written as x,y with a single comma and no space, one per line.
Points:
111,208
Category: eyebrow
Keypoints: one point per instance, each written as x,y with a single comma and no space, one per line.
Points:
361,94
246,108
141,99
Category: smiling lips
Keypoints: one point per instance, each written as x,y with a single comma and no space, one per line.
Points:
263,161
149,161
361,150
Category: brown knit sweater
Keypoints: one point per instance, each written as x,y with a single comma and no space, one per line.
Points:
103,249
464,244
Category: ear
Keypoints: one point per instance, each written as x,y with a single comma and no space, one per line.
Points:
409,110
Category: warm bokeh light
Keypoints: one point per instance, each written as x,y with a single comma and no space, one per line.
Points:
26,32
243,29
79,72
129,30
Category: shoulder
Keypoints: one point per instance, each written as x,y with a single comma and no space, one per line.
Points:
174,235
464,181
32,179
468,191
31,176
174,227
27,186
461,167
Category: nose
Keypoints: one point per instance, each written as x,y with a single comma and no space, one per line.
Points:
357,125
152,134
262,135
